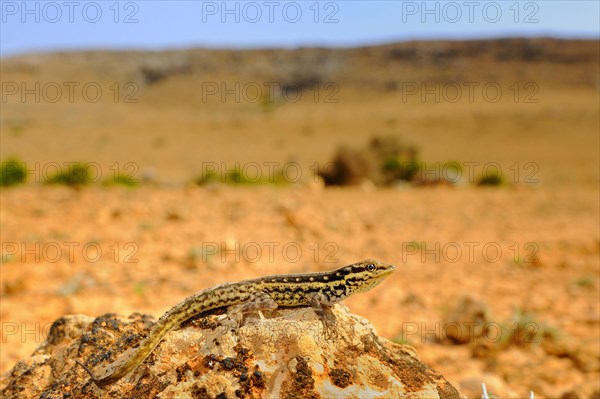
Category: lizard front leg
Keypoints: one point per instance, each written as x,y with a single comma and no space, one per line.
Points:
322,307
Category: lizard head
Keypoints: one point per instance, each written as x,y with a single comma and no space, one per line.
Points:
362,276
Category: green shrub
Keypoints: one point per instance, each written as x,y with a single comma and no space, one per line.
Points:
74,175
12,172
491,180
384,161
123,180
231,177
524,329
397,169
237,177
585,281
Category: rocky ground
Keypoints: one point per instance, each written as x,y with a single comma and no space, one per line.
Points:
285,356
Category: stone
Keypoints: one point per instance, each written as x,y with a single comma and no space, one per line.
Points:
467,320
285,355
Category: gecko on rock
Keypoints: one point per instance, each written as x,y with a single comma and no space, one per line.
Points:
318,290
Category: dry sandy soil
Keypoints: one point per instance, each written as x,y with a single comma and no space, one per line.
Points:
102,249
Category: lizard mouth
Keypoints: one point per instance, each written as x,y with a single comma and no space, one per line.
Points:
387,271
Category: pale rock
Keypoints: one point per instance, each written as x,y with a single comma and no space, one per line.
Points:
285,355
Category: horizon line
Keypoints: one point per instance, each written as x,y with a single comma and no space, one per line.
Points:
258,47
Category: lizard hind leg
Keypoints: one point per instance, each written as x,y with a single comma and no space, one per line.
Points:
260,301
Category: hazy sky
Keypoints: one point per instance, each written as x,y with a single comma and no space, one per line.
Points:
64,24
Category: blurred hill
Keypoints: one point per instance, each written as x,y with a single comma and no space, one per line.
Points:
381,67
170,111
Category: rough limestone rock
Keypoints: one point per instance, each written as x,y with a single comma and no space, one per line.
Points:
288,355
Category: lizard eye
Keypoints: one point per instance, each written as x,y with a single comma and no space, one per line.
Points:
371,267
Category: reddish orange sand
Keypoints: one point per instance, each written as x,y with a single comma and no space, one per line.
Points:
157,237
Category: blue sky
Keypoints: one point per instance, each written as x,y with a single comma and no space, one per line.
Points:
45,25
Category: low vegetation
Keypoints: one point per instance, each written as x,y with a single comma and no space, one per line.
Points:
12,172
122,180
237,177
386,161
492,179
73,175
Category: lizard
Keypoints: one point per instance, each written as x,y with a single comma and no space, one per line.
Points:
319,290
